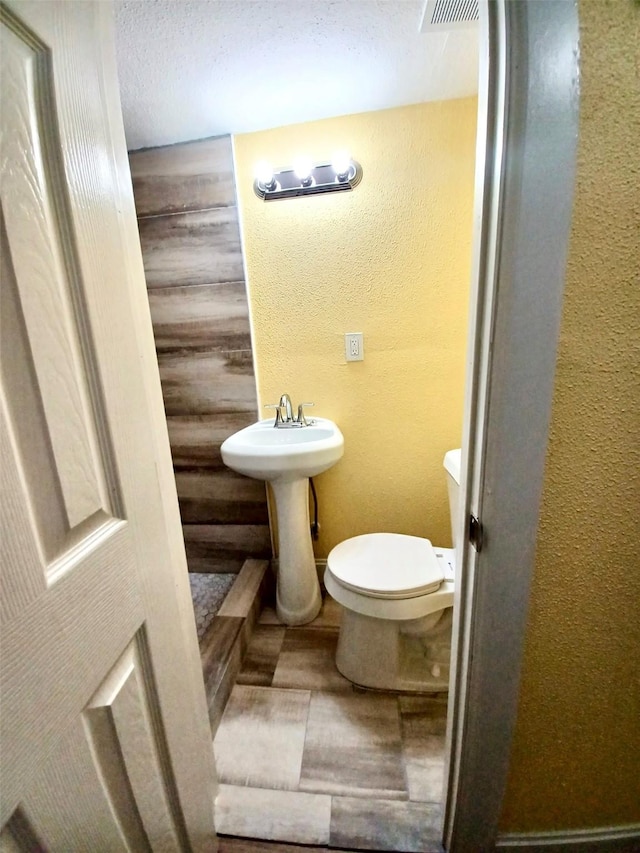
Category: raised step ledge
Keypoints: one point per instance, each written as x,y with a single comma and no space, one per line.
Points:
225,642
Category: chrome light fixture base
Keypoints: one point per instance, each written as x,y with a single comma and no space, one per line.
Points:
322,179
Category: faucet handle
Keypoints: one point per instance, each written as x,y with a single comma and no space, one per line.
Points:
275,406
301,418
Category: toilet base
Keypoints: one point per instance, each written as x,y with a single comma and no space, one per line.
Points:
384,654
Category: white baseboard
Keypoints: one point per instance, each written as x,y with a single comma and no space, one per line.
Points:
614,839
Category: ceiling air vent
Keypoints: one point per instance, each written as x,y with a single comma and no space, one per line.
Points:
448,15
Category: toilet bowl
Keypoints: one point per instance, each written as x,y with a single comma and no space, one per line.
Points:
397,593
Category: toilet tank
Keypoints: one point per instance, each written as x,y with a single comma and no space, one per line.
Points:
452,467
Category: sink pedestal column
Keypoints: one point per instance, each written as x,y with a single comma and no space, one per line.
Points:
298,598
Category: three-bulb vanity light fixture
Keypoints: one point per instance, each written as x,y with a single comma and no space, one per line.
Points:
342,173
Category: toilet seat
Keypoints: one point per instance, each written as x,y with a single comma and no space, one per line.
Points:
386,565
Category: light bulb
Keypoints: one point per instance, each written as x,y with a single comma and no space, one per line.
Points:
264,173
303,167
341,163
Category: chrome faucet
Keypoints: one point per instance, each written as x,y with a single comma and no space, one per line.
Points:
284,414
285,402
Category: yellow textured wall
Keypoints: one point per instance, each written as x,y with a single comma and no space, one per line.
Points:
576,757
392,260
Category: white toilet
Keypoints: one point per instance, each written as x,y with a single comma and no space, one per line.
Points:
397,594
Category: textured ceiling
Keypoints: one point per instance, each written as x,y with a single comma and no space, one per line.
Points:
195,68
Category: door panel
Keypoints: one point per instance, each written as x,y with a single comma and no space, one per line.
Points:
46,271
105,777
24,406
105,738
123,703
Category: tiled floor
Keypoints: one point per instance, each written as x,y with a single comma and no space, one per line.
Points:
305,757
208,591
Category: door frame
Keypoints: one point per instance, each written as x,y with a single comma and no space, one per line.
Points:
525,168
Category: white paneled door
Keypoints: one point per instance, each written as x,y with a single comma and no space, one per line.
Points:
105,742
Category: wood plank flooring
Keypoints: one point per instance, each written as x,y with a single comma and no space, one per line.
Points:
189,176
190,237
199,247
303,757
228,844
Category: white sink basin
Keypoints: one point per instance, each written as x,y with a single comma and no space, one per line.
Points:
268,453
286,458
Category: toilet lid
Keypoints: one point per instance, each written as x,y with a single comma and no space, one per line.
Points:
386,565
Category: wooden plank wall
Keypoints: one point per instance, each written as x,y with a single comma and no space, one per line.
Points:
188,222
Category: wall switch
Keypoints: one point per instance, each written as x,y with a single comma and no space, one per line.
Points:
353,346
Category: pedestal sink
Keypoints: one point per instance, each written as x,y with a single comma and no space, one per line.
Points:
286,458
